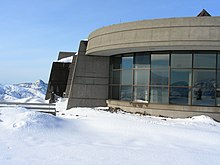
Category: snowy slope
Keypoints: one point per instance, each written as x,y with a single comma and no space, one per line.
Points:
90,136
24,92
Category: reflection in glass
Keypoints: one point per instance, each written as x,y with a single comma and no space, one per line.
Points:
141,93
159,61
127,77
181,60
130,75
203,96
180,96
115,92
159,95
204,60
141,77
142,60
127,62
126,93
204,83
181,77
204,78
159,77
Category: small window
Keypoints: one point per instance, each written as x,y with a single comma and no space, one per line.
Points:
180,96
218,78
126,93
218,96
181,77
116,77
159,95
218,60
159,61
204,60
115,92
141,77
204,78
116,62
142,60
181,60
127,62
159,77
204,86
141,93
127,77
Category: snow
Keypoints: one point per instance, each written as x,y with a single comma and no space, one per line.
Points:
66,60
24,92
96,136
141,101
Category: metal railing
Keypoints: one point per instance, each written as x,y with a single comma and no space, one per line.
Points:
40,107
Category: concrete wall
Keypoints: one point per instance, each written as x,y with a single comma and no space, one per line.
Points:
175,111
70,76
58,80
196,33
65,54
89,87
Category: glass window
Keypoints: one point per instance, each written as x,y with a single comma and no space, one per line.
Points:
204,83
204,78
127,62
180,96
159,77
141,93
159,61
159,95
115,92
116,62
127,77
141,77
181,61
181,77
203,96
142,60
204,60
218,60
126,93
130,75
218,78
116,77
218,96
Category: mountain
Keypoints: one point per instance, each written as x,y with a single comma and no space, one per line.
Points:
24,92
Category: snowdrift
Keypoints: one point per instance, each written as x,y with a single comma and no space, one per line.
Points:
92,136
21,118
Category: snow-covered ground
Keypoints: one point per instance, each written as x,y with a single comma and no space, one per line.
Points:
94,136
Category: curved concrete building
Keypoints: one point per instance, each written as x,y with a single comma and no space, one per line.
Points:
196,33
167,67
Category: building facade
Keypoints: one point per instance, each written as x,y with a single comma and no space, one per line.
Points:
168,67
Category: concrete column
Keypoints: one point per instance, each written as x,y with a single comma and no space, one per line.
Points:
89,87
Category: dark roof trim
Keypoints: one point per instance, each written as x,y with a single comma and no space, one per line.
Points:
203,13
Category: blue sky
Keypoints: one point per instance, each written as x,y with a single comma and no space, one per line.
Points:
32,32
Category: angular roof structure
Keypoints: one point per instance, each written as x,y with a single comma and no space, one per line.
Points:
203,13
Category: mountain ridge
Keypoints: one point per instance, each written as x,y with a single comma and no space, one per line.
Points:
25,92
